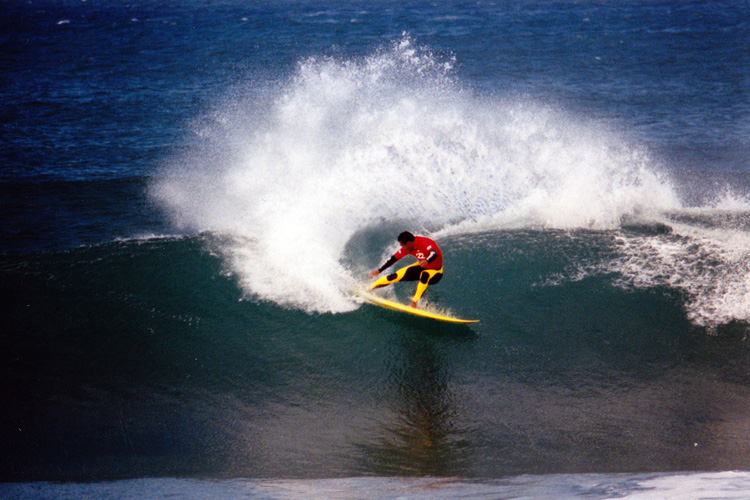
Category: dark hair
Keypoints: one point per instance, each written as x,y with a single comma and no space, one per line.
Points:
405,237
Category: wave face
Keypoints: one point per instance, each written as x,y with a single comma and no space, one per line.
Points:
139,358
346,145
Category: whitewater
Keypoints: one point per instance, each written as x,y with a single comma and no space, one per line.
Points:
288,175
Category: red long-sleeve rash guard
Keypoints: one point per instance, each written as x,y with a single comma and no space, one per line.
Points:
424,249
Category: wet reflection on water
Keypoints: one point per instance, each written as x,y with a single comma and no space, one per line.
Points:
421,437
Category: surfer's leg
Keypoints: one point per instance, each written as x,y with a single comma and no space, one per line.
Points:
426,277
408,273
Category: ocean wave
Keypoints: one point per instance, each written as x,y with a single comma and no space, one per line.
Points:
395,139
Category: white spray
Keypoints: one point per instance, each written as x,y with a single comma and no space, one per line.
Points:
347,144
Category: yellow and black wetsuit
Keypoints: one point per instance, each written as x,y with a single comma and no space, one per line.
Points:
424,249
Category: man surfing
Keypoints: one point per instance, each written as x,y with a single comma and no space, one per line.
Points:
428,269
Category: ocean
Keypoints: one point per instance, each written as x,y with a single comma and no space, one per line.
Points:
193,191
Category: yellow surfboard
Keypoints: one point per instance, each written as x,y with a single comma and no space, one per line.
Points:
395,306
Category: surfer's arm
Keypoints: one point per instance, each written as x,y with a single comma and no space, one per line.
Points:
430,258
385,266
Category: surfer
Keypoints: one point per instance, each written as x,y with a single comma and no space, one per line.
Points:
428,269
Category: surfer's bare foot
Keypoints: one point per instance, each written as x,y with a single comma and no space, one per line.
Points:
413,304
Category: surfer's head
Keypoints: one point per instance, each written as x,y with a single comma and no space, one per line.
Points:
405,239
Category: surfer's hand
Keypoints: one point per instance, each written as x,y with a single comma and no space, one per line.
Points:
423,263
374,273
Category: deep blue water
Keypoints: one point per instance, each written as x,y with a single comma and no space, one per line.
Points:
191,191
